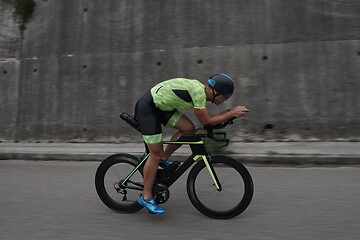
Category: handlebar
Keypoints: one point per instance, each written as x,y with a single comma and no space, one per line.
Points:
219,126
210,131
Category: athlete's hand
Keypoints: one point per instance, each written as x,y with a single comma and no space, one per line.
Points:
239,111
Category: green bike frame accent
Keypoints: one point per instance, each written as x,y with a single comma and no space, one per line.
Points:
196,143
134,170
198,150
211,172
193,158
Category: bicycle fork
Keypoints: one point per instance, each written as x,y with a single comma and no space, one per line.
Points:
211,171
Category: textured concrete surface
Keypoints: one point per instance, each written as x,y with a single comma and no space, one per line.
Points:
79,63
57,200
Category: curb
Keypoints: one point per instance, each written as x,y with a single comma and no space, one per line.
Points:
299,159
295,159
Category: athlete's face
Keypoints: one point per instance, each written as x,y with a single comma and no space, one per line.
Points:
220,99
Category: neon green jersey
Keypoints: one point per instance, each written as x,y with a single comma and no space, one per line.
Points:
179,93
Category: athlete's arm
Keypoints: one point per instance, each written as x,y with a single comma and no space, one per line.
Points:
205,119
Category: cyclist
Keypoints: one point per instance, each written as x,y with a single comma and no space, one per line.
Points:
159,106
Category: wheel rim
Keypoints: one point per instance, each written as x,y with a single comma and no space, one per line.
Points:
226,200
112,184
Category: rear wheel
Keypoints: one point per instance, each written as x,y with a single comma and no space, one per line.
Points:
109,176
236,188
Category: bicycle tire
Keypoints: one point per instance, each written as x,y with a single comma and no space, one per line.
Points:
110,197
199,195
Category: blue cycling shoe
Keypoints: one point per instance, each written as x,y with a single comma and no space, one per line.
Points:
151,205
164,163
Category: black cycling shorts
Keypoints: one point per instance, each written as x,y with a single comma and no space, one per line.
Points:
151,117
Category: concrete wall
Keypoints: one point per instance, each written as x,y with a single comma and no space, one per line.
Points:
9,72
79,63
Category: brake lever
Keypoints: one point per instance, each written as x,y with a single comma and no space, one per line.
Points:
231,120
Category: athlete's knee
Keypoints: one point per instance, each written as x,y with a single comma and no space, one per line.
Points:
157,154
156,150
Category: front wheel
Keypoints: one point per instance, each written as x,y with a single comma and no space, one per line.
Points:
236,188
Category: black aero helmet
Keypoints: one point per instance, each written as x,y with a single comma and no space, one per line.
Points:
223,84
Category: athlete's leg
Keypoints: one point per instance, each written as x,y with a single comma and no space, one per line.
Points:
185,126
148,118
150,168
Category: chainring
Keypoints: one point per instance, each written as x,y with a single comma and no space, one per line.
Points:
161,193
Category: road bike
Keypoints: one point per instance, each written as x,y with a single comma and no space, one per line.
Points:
218,186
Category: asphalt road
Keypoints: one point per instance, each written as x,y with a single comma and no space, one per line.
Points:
57,200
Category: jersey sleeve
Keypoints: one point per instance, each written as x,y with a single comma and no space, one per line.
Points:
199,98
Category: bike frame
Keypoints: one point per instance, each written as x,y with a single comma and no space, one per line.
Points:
198,152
